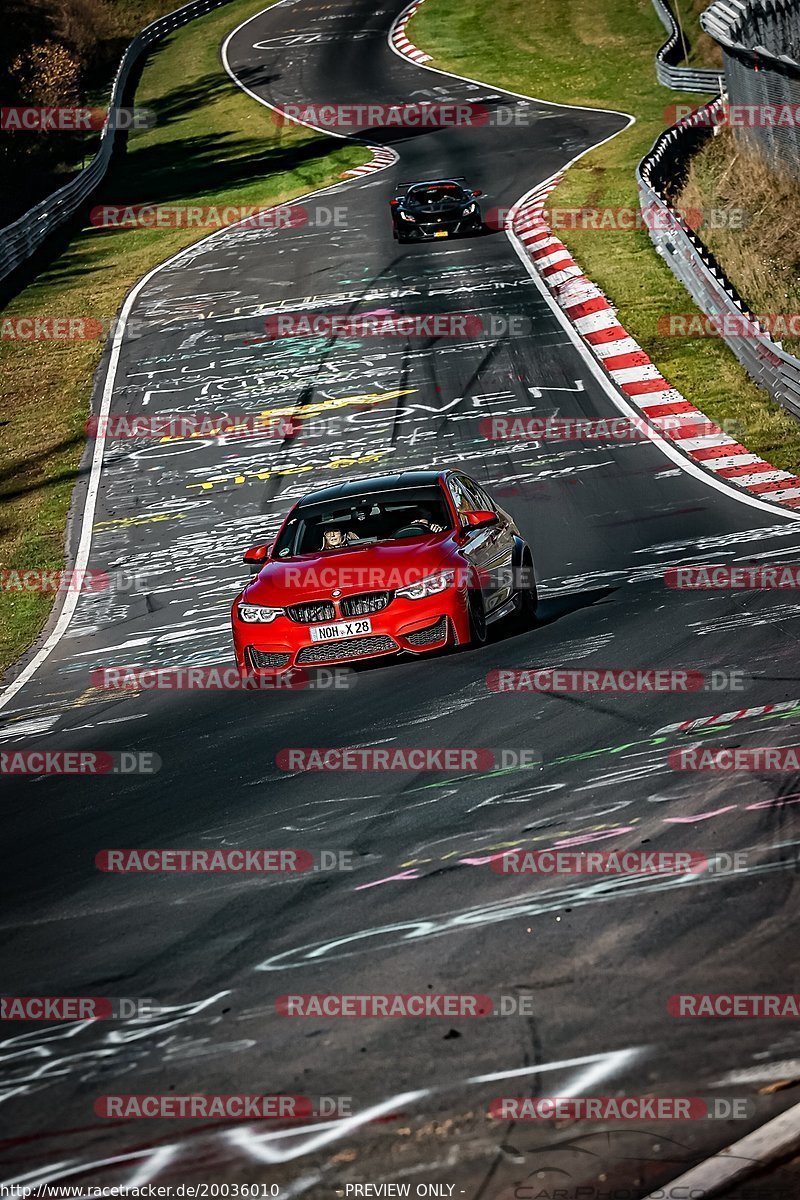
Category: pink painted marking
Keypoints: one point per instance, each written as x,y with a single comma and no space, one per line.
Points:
411,874
699,816
775,801
583,838
481,862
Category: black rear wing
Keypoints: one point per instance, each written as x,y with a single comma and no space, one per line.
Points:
430,182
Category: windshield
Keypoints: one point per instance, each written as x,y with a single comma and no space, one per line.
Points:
361,520
437,193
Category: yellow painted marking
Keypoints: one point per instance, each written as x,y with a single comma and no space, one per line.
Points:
139,520
313,410
335,464
92,695
364,400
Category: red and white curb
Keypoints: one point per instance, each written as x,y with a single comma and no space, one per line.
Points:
381,159
399,39
629,366
761,710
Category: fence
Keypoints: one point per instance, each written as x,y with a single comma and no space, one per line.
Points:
765,361
20,240
760,42
680,79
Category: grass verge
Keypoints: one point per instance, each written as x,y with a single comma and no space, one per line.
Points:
211,145
600,53
699,48
761,259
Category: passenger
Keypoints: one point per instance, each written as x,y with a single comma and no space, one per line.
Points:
333,539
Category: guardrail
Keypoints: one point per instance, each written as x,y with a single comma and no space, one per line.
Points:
20,240
764,359
681,79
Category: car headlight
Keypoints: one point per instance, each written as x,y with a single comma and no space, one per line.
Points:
469,209
257,614
429,586
406,216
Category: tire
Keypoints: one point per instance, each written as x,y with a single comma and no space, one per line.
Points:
476,612
527,594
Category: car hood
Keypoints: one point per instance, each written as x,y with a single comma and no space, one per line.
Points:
374,568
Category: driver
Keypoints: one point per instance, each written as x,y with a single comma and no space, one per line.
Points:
426,520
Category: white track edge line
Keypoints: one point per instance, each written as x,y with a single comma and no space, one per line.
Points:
599,372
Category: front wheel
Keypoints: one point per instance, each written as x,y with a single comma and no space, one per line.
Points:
527,594
477,617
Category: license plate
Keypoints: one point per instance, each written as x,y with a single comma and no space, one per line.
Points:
440,233
340,629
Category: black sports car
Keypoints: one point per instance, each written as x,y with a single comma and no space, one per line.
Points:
436,208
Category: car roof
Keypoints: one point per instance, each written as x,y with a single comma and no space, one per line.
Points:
371,485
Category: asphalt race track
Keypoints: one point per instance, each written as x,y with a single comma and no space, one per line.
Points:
421,910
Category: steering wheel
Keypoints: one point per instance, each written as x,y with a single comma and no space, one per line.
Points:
410,531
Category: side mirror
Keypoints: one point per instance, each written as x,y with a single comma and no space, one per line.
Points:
480,517
394,203
256,556
477,192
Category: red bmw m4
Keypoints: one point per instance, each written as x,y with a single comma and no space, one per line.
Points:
399,564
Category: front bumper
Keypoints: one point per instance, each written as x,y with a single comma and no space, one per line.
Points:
404,626
429,231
